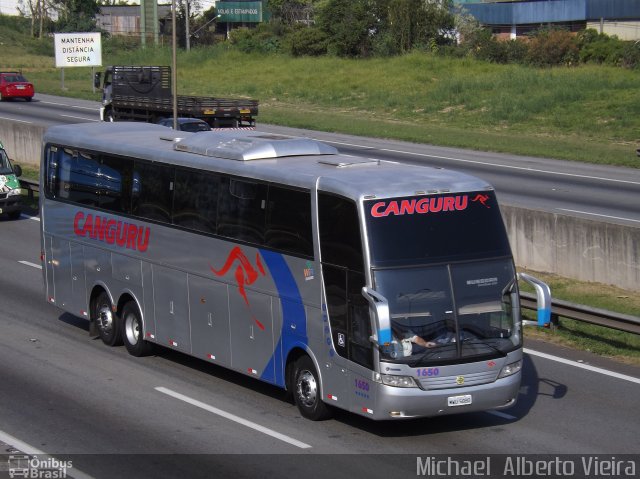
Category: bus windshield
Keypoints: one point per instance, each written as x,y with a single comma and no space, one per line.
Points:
450,313
5,166
444,264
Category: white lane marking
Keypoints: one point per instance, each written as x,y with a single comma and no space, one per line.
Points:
502,415
535,170
596,214
34,218
42,457
79,118
72,106
53,103
232,417
13,119
583,366
33,265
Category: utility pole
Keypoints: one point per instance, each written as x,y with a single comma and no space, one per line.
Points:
174,66
186,25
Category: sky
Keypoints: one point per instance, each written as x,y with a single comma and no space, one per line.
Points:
8,7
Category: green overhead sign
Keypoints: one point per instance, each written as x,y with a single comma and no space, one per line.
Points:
240,12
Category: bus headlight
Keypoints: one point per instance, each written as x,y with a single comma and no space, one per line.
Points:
398,381
15,192
510,369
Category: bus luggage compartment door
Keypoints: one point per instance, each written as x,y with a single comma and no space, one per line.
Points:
252,332
209,317
171,306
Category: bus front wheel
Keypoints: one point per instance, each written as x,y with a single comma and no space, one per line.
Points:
107,321
306,391
132,331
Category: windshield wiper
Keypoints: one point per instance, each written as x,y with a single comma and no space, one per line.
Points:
430,352
484,343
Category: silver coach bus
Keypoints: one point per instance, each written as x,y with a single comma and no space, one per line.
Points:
384,289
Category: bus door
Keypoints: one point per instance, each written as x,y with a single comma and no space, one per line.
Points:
346,307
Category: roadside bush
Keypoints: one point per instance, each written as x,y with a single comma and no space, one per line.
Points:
599,48
41,46
310,41
264,38
630,55
551,47
120,43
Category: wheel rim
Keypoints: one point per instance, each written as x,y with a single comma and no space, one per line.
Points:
132,329
307,388
105,319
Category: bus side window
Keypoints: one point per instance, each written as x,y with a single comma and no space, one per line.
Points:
78,177
196,200
289,221
154,192
51,179
115,184
242,210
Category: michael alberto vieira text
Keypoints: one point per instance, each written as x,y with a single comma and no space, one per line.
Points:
527,466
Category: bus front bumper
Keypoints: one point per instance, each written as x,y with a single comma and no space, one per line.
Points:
404,403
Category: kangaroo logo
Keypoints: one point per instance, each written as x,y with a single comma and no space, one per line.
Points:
245,274
482,199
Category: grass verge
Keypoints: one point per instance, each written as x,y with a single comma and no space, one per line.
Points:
607,342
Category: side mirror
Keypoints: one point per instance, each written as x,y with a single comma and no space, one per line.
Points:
380,307
17,170
96,79
543,293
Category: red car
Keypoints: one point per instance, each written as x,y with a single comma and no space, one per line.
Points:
14,85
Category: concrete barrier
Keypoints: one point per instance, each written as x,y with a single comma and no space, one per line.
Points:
574,247
565,245
22,141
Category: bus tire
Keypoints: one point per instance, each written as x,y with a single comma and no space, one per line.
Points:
132,331
306,391
107,321
14,215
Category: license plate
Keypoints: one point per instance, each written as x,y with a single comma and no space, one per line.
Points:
459,400
20,87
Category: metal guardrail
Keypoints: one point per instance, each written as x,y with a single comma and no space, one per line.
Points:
600,317
31,186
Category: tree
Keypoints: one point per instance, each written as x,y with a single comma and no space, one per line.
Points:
349,25
38,11
76,15
419,23
292,11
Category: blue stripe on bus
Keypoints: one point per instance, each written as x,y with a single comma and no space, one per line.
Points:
293,314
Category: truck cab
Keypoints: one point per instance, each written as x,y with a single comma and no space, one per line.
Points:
10,191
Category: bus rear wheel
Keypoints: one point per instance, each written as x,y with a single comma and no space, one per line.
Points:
306,391
132,331
107,321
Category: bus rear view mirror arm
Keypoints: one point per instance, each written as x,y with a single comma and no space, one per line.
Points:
380,306
543,294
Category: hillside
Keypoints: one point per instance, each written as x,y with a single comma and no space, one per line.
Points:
586,113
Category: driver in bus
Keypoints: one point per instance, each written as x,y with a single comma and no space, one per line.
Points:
406,342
